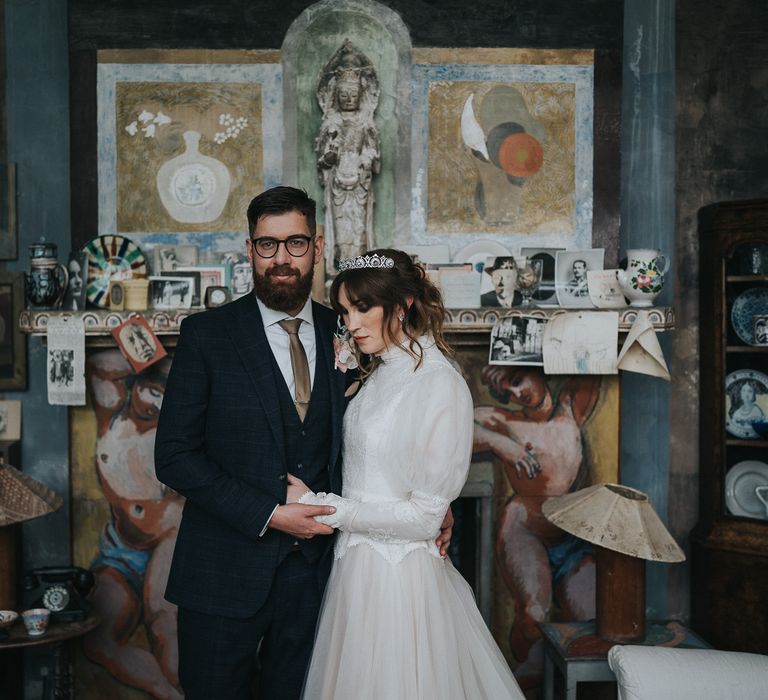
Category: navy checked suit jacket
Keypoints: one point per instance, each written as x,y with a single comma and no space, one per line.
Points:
220,445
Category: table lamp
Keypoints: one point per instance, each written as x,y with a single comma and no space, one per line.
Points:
21,498
626,530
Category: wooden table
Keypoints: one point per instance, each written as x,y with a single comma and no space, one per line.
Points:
57,635
594,667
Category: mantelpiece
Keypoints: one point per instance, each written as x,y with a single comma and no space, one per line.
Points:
465,326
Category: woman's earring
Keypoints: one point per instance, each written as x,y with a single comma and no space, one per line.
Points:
401,317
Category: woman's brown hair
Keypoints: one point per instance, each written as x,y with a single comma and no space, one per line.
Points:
402,287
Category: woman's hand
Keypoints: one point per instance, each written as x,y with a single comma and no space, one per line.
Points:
296,489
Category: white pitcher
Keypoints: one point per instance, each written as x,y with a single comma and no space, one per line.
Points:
643,279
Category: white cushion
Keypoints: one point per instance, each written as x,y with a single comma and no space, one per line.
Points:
662,673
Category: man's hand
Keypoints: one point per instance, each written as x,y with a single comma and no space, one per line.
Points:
296,489
446,531
298,520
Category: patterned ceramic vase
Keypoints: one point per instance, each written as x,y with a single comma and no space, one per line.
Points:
47,278
643,279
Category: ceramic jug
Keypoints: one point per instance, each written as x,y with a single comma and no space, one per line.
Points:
643,279
47,278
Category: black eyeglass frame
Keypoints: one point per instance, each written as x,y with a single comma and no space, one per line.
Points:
306,239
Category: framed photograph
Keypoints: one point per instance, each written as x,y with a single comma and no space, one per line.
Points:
166,258
498,286
571,282
210,276
13,347
194,275
77,266
545,295
517,340
10,421
171,292
138,343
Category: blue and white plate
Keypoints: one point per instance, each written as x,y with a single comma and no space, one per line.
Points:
748,304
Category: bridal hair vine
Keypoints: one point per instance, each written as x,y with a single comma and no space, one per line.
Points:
366,261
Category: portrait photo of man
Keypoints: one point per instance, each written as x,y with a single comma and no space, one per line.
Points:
503,278
571,280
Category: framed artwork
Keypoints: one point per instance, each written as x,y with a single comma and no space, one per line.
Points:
210,276
181,145
194,275
545,294
504,148
171,292
571,281
13,347
10,421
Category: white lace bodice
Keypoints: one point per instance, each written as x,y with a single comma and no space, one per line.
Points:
406,453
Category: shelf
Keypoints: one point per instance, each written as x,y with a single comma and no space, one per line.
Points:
747,348
735,442
746,278
100,322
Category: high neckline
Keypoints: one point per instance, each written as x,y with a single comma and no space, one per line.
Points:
400,351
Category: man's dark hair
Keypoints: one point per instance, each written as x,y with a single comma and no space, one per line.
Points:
281,200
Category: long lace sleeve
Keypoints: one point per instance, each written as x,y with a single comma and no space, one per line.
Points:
431,450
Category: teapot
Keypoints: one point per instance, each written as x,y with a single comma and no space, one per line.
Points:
643,279
47,279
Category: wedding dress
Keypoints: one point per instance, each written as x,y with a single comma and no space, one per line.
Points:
398,622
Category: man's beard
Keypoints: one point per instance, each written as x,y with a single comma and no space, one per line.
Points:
283,296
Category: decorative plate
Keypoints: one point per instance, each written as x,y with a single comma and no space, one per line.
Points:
748,304
746,402
745,483
111,258
478,251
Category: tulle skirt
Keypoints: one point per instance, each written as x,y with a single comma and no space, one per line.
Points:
405,631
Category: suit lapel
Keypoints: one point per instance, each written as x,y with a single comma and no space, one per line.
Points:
250,341
325,359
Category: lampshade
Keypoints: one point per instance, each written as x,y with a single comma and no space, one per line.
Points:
23,498
616,517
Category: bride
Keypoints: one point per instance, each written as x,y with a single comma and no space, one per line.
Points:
398,621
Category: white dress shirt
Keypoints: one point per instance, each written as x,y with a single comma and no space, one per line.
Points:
280,344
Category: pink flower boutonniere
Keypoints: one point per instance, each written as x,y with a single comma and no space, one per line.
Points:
342,349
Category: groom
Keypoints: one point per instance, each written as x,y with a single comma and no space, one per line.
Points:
248,400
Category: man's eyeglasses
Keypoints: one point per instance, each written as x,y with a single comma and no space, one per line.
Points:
267,247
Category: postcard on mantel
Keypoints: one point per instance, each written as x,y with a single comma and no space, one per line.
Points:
641,351
583,342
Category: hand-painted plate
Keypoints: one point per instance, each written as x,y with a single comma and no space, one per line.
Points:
111,258
478,252
746,485
748,304
746,403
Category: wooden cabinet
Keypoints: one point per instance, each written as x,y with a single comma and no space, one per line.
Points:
729,546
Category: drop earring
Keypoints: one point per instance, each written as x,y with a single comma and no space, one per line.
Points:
401,317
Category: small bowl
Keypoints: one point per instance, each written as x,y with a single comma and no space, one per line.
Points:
7,618
36,621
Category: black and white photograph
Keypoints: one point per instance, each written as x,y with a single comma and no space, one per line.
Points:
517,340
77,267
10,421
194,275
168,257
498,286
545,295
61,367
241,273
571,284
171,292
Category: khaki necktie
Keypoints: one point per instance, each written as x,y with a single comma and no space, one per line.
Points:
299,365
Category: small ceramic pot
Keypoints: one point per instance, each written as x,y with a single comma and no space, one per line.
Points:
36,621
643,279
7,618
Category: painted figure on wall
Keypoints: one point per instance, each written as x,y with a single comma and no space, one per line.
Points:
135,546
348,152
541,449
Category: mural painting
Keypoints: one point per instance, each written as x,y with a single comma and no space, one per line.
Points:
546,435
125,524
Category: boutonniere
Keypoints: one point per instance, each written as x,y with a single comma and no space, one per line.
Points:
342,348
